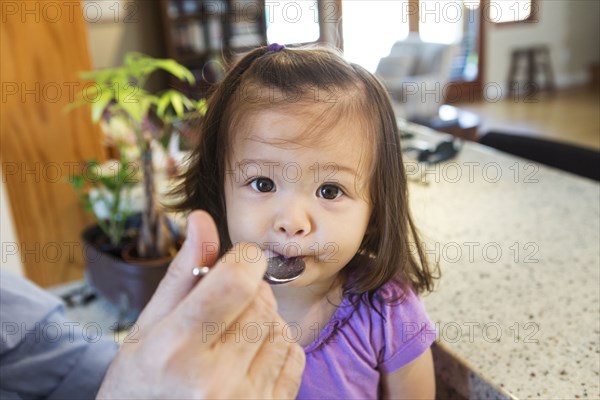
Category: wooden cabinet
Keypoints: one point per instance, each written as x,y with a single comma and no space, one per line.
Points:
205,35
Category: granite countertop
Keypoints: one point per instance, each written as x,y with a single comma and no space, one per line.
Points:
518,305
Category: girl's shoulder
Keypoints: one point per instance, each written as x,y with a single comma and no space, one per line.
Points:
391,305
392,301
397,323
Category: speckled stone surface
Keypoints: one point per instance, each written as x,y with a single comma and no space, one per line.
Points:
518,305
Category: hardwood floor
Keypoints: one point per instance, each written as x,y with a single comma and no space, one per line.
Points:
571,116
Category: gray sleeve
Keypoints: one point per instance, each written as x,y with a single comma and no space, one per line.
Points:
42,354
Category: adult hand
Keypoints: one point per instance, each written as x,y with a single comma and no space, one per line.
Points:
192,340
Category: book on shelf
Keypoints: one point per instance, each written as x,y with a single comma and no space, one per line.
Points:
215,33
196,34
189,38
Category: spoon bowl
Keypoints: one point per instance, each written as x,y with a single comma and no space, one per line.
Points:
283,270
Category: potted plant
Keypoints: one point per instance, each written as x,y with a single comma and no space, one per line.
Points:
134,241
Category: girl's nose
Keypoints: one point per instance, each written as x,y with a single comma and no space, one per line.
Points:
293,220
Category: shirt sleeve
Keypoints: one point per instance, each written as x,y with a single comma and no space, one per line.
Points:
42,354
407,331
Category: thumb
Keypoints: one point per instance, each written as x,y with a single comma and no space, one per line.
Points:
201,247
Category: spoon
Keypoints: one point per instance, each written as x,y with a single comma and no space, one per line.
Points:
279,270
283,270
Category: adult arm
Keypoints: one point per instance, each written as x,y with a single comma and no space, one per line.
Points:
42,353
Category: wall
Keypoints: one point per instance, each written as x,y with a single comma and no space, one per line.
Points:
133,26
570,28
11,256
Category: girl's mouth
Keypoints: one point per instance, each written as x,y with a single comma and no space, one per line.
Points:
281,269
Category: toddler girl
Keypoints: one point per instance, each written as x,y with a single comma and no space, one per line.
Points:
299,152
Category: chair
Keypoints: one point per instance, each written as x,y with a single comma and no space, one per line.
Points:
577,160
415,74
527,65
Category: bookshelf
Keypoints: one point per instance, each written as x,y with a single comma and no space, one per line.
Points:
204,35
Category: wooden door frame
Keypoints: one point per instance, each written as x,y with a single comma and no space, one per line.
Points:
42,145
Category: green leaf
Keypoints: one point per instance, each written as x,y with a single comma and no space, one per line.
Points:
177,102
109,182
133,57
164,140
189,104
163,102
128,98
87,204
77,181
201,106
174,68
99,106
99,76
145,103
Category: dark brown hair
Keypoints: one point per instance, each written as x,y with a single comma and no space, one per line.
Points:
391,248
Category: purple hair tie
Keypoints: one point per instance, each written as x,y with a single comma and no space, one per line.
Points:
275,47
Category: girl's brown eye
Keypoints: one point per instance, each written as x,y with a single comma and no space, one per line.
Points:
263,185
329,192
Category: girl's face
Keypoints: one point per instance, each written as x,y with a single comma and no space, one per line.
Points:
296,198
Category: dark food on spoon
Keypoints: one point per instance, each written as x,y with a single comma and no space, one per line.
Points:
283,270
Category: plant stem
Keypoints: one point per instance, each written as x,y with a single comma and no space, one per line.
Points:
148,241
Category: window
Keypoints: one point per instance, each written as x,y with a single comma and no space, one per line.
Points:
453,22
441,21
291,22
503,11
370,28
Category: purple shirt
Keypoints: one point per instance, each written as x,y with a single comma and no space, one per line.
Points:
358,345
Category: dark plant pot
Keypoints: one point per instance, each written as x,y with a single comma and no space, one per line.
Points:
128,283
